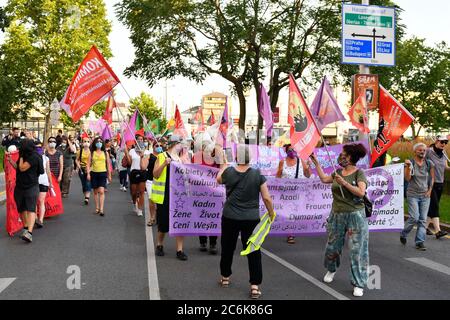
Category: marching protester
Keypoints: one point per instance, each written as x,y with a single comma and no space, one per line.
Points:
98,173
419,172
68,150
138,174
161,193
28,168
81,161
206,156
13,139
45,182
244,185
347,217
157,149
56,159
123,168
292,168
436,154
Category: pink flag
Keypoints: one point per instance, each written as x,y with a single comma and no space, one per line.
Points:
325,108
265,110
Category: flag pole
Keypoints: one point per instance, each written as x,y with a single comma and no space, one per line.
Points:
320,133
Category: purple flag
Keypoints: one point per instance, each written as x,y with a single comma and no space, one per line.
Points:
325,108
106,134
265,110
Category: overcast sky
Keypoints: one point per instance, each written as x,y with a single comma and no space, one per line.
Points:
426,19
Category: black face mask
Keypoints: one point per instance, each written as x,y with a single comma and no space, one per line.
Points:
438,151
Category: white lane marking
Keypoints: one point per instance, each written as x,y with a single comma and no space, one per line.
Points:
153,285
430,264
5,282
306,276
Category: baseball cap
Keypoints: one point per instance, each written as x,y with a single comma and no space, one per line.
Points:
442,138
174,139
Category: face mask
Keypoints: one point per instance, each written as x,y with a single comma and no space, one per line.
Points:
146,144
98,145
63,145
86,144
52,145
292,154
159,149
40,151
343,163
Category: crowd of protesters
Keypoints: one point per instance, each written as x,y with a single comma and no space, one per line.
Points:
143,169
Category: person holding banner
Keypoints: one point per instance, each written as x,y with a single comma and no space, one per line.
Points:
347,217
28,168
161,193
81,161
45,182
292,168
244,185
98,171
419,173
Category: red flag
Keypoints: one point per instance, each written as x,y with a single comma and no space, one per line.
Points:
13,221
211,119
92,81
304,133
198,118
110,105
394,121
180,130
358,114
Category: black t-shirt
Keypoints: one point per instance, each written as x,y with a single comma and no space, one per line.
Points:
30,178
151,166
243,189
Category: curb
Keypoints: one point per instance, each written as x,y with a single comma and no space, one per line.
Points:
444,226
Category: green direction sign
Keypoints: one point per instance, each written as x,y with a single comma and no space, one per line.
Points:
356,19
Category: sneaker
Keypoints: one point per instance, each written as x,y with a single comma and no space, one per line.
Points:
27,237
358,292
203,247
181,256
139,213
420,246
402,240
124,189
441,234
212,249
38,224
329,277
429,233
135,208
159,251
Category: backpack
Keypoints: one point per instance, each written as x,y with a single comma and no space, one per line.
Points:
125,162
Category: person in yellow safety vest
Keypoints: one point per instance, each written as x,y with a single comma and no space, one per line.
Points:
160,194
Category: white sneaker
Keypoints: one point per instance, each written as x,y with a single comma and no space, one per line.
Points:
329,277
139,213
124,189
358,292
135,209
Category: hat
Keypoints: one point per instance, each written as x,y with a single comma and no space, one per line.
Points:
174,139
442,138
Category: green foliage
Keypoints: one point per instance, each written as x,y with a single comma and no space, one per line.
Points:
148,107
45,42
2,156
99,109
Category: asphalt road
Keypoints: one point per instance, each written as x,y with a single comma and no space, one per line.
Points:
116,260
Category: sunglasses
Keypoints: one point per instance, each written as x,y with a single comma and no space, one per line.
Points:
52,141
444,141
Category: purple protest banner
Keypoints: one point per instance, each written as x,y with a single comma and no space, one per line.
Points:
302,205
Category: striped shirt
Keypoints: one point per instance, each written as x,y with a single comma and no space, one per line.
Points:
54,162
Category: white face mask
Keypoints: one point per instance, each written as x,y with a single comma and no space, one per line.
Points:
86,144
52,145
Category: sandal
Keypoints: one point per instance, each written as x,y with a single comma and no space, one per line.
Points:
150,223
97,211
224,282
101,213
255,293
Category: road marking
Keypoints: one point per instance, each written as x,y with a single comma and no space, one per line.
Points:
430,264
153,285
306,276
5,282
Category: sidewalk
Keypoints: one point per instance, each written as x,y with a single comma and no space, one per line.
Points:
2,188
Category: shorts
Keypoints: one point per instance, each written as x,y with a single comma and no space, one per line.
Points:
149,186
138,176
26,199
98,180
43,188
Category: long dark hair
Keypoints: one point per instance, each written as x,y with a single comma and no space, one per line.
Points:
27,148
94,142
355,151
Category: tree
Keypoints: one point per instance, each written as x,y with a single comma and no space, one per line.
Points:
238,40
148,107
45,43
3,20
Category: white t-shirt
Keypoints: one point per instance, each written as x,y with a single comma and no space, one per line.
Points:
136,159
43,178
